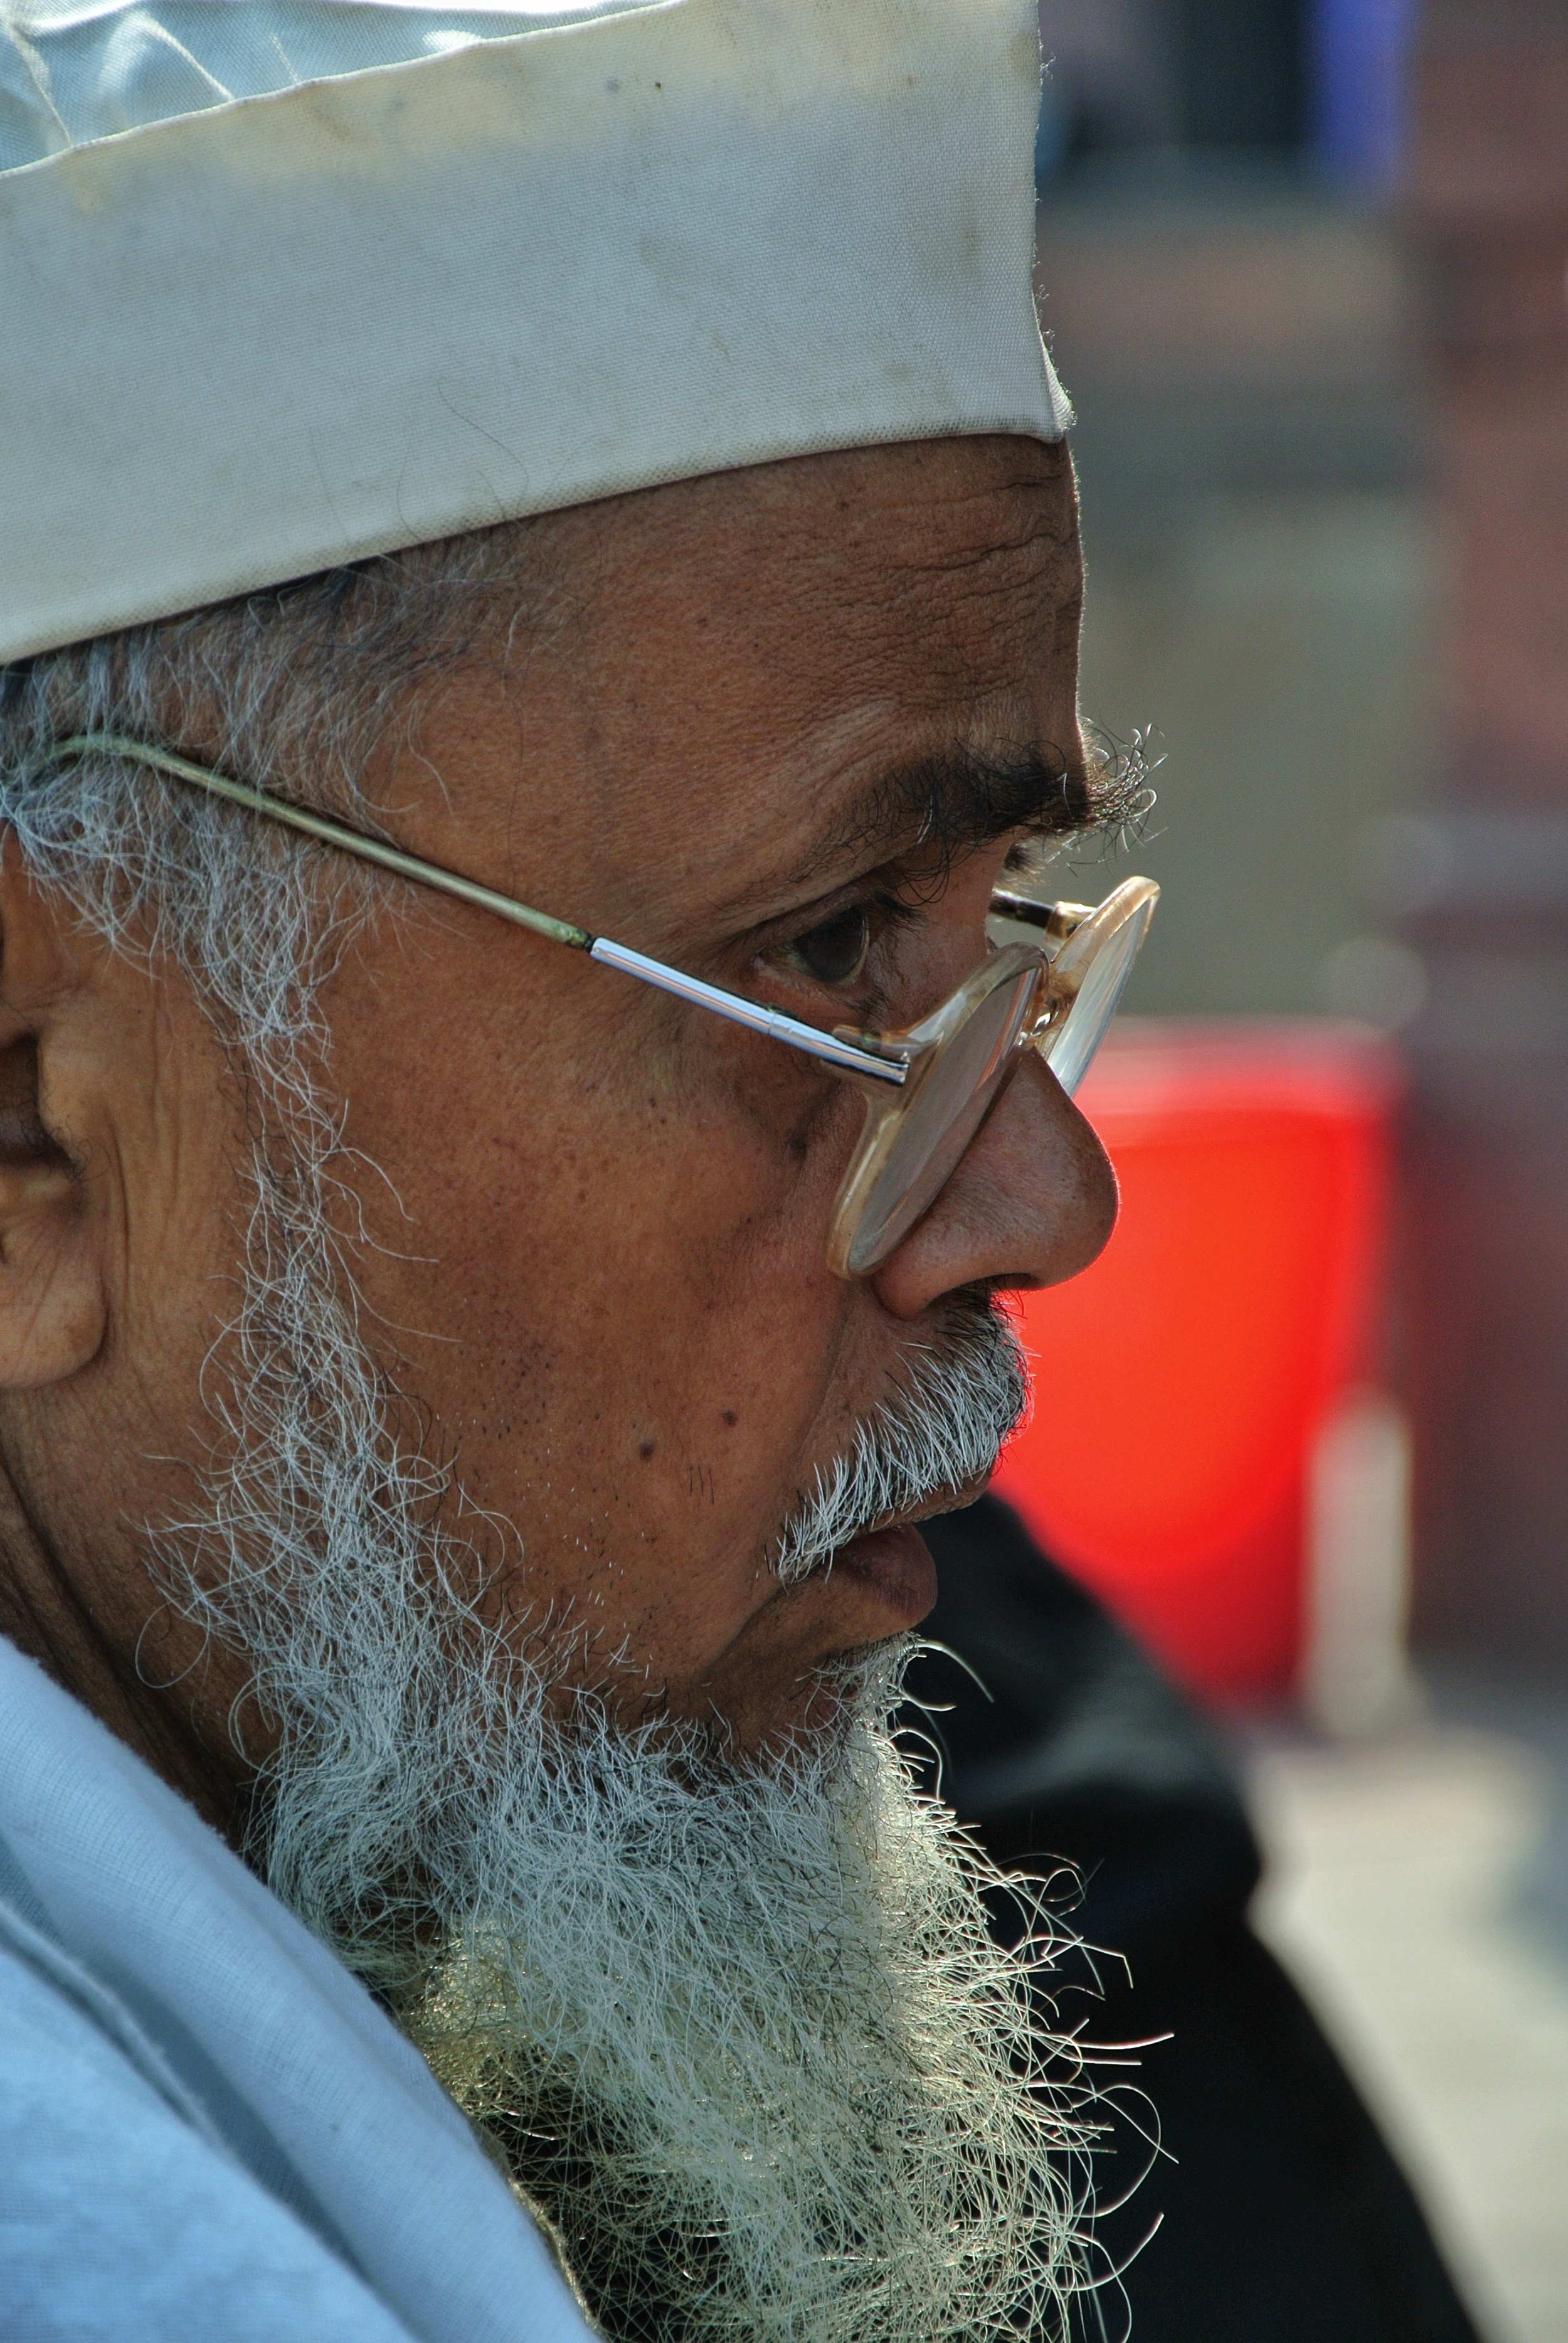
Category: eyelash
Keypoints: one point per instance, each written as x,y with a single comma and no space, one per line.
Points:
882,912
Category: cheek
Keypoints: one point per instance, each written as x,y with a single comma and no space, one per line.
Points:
660,1199
627,1327
650,1275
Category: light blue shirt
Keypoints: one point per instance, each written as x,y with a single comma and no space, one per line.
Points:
207,2127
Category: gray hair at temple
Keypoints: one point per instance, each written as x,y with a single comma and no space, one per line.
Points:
295,688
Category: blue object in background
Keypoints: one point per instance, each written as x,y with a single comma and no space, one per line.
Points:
1360,63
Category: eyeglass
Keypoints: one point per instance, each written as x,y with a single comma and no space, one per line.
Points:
928,1087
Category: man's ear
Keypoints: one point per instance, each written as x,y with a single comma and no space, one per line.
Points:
52,1302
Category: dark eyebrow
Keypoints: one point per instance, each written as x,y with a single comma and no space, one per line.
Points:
945,807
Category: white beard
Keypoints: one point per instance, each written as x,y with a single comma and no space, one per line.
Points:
740,2029
746,2040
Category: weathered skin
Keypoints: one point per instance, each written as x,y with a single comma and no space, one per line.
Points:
603,1215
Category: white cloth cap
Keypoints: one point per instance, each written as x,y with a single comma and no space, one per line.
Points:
286,283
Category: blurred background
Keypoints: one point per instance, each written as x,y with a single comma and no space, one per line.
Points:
1304,268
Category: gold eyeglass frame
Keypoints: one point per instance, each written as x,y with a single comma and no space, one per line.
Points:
889,1069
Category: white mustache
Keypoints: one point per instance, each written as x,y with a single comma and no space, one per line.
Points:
940,1435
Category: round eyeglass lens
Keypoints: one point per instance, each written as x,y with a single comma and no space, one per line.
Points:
932,1131
1068,1049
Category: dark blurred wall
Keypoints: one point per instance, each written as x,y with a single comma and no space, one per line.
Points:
1243,67
1175,74
1482,878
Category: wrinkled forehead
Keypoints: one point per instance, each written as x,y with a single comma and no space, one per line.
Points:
884,643
772,675
914,571
374,276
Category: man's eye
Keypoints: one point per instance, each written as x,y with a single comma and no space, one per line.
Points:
834,953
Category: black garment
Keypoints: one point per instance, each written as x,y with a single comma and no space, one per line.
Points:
1286,2220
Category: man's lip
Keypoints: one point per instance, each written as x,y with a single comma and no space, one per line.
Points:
896,1565
893,1559
949,1500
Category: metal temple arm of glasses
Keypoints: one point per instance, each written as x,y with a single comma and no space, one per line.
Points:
753,1014
330,833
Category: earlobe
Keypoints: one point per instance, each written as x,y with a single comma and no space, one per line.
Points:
52,1310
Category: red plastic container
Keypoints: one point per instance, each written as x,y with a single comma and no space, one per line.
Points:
1181,1382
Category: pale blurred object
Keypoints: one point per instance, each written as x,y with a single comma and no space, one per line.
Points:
1262,564
1375,979
1393,1894
1355,1676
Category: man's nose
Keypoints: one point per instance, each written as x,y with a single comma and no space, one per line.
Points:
1032,1204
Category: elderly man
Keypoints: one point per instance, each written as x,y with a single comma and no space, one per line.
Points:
540,592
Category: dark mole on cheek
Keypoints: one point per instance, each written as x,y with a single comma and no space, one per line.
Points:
646,1451
731,1417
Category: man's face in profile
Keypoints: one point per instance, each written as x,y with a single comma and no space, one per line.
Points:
786,740
781,729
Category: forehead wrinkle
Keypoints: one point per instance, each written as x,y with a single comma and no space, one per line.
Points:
1025,530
